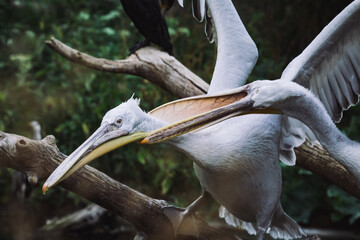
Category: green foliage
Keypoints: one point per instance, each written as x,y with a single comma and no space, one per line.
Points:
344,204
69,100
299,200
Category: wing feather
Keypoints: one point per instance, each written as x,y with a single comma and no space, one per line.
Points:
181,3
345,68
330,97
322,95
210,30
339,98
355,62
332,60
198,9
330,68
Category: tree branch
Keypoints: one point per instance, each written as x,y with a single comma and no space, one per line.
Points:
317,160
165,71
40,158
150,63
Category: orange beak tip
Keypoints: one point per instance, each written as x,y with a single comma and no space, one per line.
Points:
144,141
45,188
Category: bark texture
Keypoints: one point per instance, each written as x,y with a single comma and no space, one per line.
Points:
156,66
38,159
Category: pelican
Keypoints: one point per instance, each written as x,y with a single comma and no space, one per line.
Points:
315,88
280,97
237,160
148,19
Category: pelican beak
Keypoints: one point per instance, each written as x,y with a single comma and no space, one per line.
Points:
105,139
239,106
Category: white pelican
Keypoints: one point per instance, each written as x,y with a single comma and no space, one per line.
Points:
277,97
315,88
237,161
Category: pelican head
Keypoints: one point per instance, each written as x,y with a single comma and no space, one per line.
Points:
121,125
273,93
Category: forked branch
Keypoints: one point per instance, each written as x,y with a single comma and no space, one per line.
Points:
150,63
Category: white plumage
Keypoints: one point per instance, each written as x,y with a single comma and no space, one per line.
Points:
330,68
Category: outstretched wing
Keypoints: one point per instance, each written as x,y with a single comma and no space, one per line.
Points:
330,68
330,65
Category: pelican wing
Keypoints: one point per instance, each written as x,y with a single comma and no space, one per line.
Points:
181,3
330,68
198,9
330,65
210,30
185,108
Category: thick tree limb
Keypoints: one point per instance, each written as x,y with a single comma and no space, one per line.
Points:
150,63
160,68
316,159
39,158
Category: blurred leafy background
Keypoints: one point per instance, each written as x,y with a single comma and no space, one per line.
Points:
69,100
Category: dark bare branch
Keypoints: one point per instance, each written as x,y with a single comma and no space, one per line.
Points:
39,158
317,160
150,63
